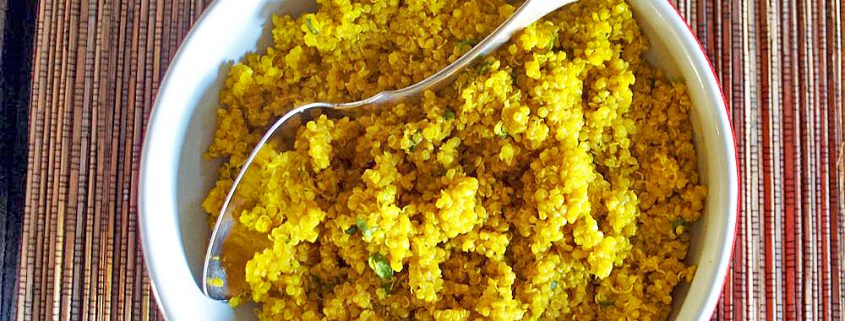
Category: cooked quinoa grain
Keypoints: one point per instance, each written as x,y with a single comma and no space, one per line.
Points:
555,180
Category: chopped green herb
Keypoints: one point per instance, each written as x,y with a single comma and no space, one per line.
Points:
483,67
416,138
677,223
310,26
351,230
361,225
323,285
500,130
448,114
467,43
379,264
330,284
553,43
389,286
315,279
554,285
606,303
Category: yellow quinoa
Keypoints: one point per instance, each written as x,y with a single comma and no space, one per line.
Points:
554,180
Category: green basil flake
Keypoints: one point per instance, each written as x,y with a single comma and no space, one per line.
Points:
351,230
483,67
467,43
553,43
416,138
500,130
554,285
606,303
679,222
379,264
310,26
448,114
389,286
315,279
361,225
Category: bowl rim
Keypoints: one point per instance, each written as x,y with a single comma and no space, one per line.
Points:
166,79
735,178
145,233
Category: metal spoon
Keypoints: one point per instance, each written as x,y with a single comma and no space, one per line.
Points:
225,254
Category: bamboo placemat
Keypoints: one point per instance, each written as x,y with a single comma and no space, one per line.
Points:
96,69
97,66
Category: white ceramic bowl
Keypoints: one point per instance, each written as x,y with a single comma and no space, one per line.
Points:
175,177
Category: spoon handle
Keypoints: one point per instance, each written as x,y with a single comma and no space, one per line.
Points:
528,13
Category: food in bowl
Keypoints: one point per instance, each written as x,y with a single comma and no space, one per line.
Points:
555,180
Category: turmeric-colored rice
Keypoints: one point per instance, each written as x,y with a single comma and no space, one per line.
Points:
554,180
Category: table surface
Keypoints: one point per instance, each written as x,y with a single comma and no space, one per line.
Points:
95,67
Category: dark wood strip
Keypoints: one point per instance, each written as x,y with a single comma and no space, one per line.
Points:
16,62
